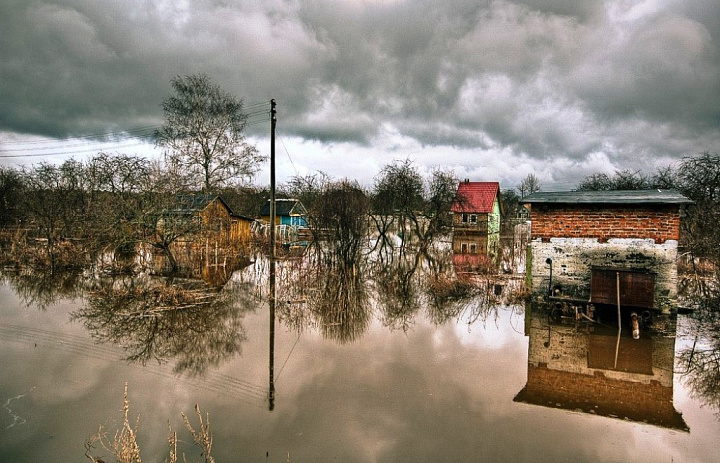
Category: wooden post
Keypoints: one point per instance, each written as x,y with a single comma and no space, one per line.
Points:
271,299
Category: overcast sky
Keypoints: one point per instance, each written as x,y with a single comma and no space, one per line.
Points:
493,90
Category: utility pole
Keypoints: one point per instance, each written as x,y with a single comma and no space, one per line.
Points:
273,121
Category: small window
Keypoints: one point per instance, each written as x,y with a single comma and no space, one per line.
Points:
463,248
473,248
473,218
464,218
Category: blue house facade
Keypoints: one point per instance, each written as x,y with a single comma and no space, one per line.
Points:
288,212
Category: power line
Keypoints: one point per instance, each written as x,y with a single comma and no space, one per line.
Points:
288,155
148,130
58,153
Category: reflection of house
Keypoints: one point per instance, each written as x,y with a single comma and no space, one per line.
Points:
213,218
595,240
288,212
476,218
580,369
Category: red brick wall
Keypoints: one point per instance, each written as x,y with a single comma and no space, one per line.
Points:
661,222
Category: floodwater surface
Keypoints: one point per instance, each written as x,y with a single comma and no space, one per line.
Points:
465,388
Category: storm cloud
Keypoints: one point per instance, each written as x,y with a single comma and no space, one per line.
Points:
493,90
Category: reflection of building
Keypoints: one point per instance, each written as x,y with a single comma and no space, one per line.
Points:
469,255
598,234
588,368
476,218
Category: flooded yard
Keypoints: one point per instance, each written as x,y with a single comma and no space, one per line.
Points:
396,382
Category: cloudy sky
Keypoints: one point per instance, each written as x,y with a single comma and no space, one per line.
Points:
493,90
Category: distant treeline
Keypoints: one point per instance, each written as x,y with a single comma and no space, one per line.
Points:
115,201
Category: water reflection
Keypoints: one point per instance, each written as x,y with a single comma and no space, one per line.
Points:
698,363
187,322
339,293
588,367
326,289
41,288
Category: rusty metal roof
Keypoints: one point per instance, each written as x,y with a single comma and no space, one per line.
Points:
607,197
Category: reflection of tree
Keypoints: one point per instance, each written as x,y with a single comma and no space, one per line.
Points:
326,291
398,289
194,325
43,287
699,364
340,301
411,280
328,287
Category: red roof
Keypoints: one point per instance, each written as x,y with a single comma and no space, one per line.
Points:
476,197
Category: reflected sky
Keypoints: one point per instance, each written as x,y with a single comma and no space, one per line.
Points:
430,393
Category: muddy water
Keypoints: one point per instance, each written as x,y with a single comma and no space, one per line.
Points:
453,391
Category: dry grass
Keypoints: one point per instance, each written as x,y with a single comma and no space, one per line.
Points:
125,449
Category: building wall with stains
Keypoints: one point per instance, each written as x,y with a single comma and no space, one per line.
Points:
576,239
573,259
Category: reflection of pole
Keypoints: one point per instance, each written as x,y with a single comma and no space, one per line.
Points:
549,262
271,390
617,345
271,299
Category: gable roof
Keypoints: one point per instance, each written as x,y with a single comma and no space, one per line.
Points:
476,197
188,204
284,207
607,197
194,203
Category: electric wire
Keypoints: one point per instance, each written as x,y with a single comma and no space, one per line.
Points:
287,358
59,153
96,136
290,158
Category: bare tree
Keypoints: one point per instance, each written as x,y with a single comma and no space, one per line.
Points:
398,196
54,200
203,135
11,187
529,185
699,179
307,188
621,180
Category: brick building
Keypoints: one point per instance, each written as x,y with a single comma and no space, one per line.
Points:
581,237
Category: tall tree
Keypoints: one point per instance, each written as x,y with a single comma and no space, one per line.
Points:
203,135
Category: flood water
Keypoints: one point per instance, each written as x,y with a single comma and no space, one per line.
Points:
394,383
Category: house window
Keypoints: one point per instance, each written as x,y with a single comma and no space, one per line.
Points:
465,218
473,218
463,248
473,248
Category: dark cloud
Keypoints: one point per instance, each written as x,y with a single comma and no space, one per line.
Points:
550,81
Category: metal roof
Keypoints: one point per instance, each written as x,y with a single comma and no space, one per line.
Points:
607,197
284,206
